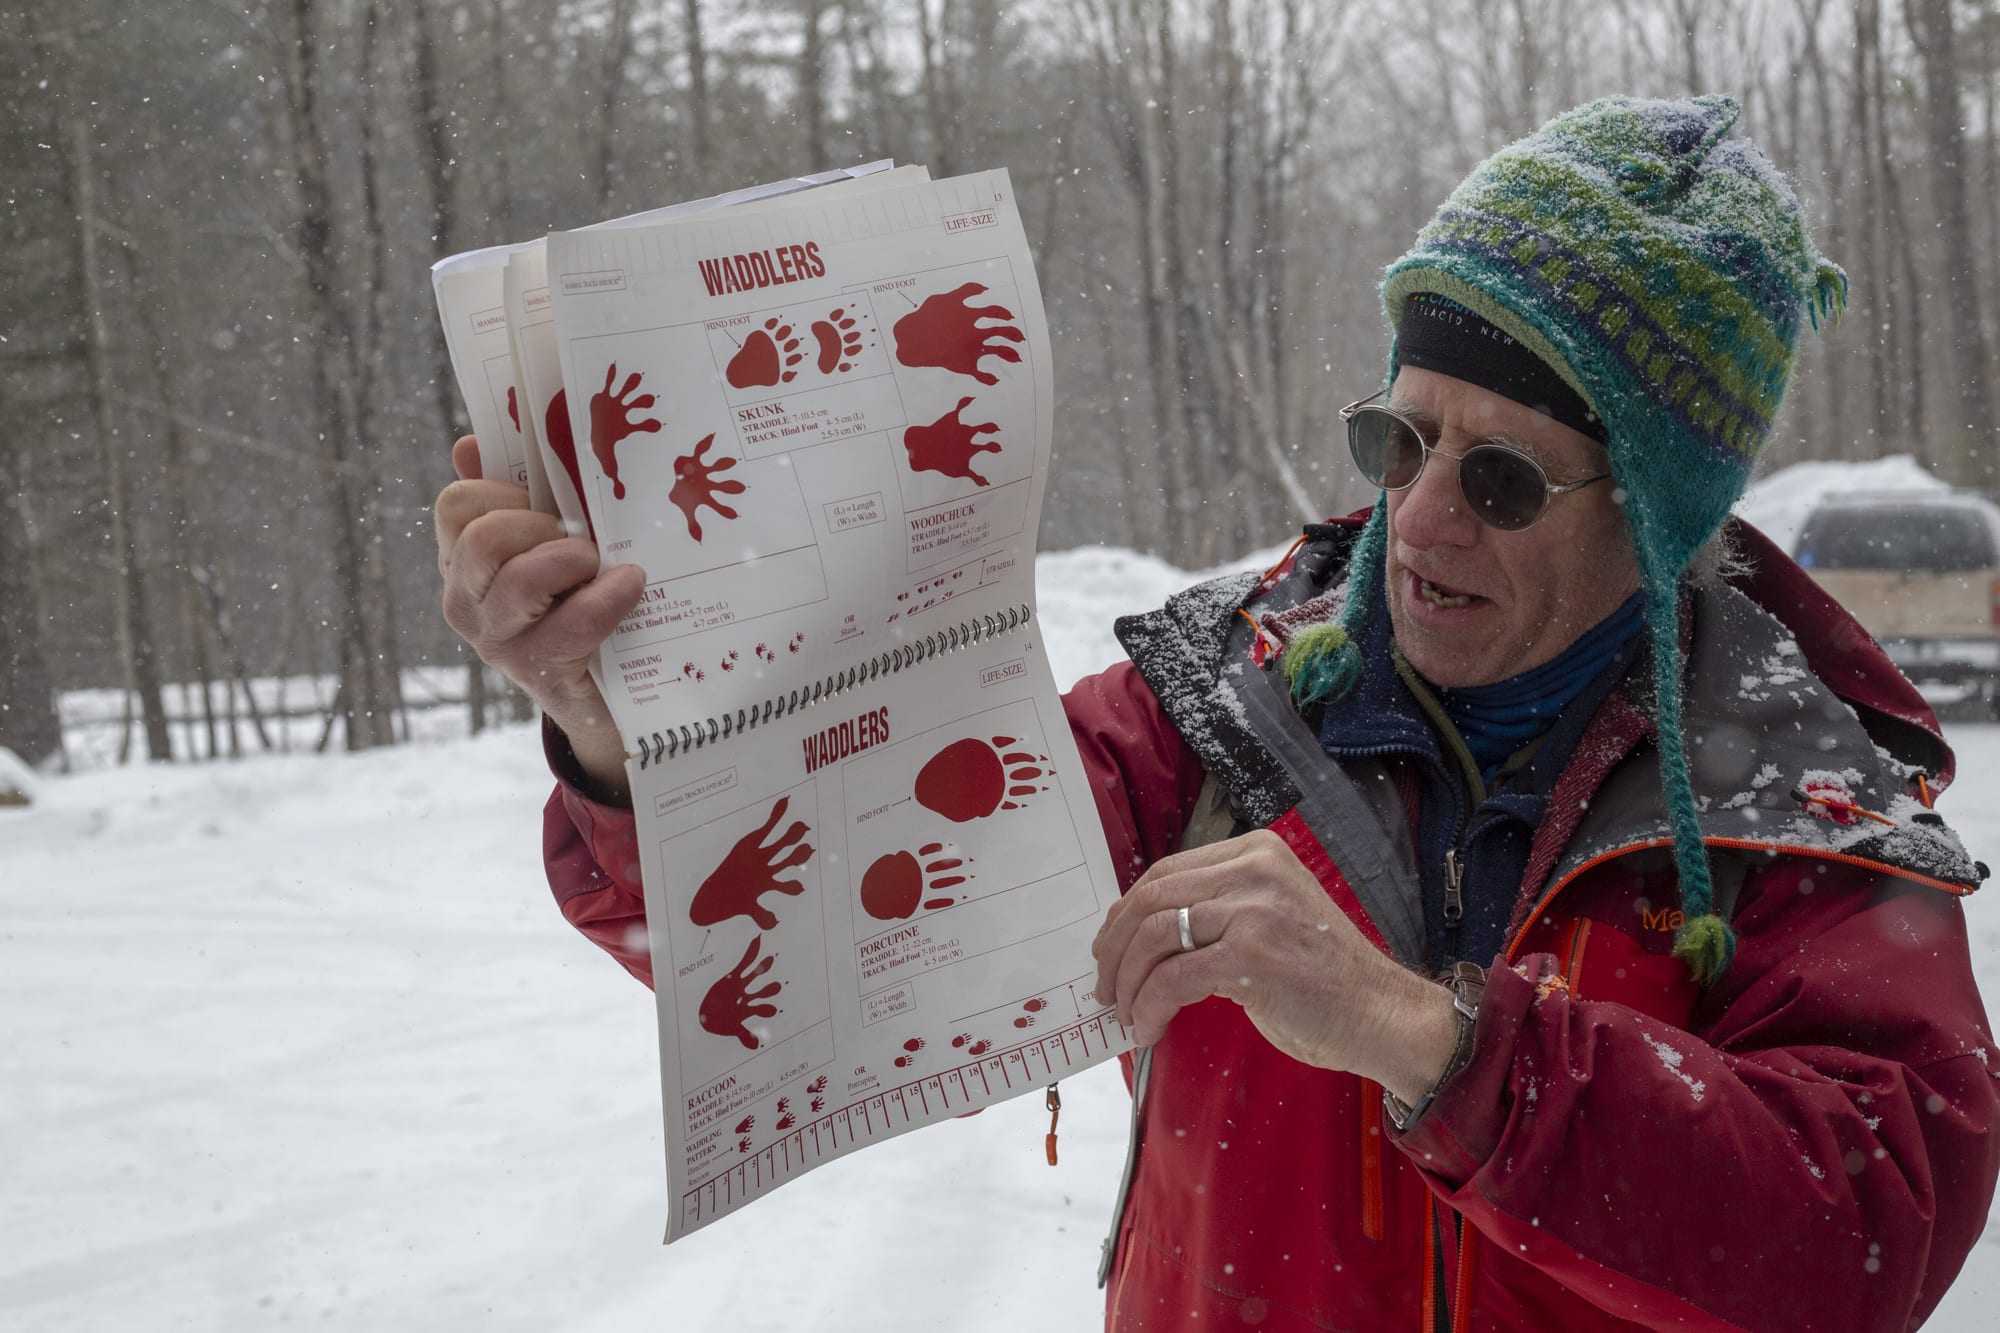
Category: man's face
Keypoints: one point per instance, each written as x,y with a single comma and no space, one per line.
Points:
1470,604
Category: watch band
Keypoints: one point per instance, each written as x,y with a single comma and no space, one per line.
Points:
1467,983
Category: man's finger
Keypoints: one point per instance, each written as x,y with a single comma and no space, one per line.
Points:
1176,983
527,585
1157,940
489,542
1194,883
585,618
465,459
462,503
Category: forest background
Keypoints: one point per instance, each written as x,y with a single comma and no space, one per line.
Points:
227,404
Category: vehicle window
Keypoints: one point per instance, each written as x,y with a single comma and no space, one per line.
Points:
1927,538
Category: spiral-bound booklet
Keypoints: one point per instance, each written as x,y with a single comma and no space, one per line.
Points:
873,867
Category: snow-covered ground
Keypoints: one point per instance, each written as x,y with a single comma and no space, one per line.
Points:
302,1041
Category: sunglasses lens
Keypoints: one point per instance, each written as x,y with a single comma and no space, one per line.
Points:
1386,450
1505,489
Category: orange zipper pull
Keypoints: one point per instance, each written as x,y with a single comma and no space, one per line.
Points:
1054,1102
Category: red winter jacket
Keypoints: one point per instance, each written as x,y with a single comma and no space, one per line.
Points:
1808,1145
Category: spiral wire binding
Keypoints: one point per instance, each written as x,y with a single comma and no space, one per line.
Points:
661,746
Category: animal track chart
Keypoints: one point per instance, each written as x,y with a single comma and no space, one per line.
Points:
842,396
869,914
821,425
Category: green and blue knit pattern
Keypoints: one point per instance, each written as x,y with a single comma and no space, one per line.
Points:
1664,270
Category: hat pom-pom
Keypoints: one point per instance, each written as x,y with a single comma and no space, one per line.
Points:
1320,662
1706,944
1829,298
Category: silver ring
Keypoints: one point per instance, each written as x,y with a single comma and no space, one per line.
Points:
1187,930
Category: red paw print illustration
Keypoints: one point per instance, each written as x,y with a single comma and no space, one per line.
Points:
965,1042
750,871
562,443
513,408
695,485
612,420
839,337
730,1003
892,888
769,356
746,1124
910,1049
730,660
817,1105
784,1105
948,445
786,1121
972,778
798,642
947,333
690,671
764,654
743,1145
1028,1012
817,1086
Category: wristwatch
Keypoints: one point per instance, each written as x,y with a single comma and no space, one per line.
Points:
1467,982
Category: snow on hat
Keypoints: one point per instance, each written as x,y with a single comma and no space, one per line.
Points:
1663,269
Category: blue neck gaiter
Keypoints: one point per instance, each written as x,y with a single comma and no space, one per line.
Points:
1497,720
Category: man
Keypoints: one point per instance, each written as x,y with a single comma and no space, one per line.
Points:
1708,1051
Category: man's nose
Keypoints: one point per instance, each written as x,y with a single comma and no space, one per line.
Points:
1433,511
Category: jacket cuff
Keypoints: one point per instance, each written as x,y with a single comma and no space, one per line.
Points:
607,825
1461,1128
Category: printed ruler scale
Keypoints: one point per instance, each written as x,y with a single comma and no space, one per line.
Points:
882,1114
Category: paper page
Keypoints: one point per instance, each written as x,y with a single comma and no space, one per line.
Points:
821,429
869,915
471,301
531,322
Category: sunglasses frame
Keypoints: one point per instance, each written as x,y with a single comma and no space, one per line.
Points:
1550,489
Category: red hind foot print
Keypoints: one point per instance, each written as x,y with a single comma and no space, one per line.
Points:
513,408
786,1121
895,885
1028,1012
730,1004
972,778
695,485
746,1124
965,1042
947,333
730,659
817,1086
839,338
751,870
562,443
798,642
784,1105
612,420
818,1104
910,1048
948,445
769,356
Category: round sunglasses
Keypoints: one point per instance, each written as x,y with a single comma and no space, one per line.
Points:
1505,488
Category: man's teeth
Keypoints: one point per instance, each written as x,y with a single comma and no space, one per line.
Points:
1438,598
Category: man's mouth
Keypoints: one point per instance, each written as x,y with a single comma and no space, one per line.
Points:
1438,595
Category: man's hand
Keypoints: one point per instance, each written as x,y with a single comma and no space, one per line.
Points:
1268,937
534,604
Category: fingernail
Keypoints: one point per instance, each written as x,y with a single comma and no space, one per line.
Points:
572,528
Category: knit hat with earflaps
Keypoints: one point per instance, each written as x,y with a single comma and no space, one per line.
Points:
1663,269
